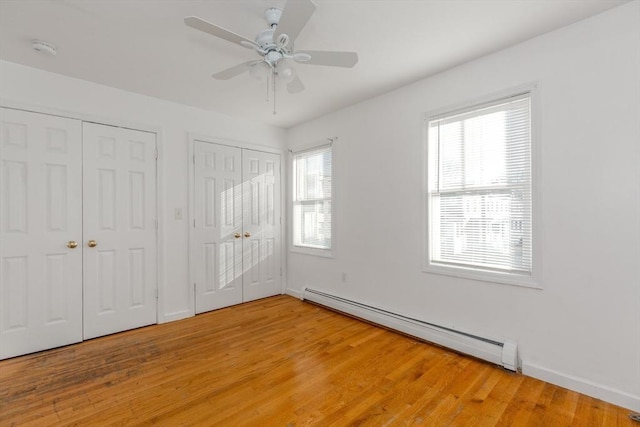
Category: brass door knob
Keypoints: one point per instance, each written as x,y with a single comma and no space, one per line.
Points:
237,235
247,234
72,244
92,243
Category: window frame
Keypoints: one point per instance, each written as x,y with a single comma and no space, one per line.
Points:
302,249
487,275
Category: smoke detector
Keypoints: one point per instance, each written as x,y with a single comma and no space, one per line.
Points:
42,46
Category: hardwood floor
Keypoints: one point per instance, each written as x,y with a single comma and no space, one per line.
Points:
278,362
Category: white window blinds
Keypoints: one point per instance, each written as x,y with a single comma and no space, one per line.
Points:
479,187
312,198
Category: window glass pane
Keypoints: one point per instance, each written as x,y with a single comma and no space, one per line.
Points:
484,150
451,150
312,224
480,230
313,176
312,199
480,187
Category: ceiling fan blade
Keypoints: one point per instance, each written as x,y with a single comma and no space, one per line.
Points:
234,71
295,85
329,58
215,30
295,15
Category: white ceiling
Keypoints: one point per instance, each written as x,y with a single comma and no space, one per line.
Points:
143,46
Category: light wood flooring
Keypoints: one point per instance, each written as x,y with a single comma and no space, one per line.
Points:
278,362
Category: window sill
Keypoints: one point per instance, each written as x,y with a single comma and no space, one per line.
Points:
484,276
324,253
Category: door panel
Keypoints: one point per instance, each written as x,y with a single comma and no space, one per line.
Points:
120,216
40,198
236,239
218,219
261,260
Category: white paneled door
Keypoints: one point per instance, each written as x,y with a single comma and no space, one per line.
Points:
78,231
261,224
217,241
41,232
235,245
119,229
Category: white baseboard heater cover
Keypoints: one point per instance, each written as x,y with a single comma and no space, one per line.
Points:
504,353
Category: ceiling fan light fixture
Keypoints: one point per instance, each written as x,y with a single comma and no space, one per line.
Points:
273,57
285,72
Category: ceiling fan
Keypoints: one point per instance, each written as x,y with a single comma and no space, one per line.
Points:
275,47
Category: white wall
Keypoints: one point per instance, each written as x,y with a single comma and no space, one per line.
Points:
583,329
44,90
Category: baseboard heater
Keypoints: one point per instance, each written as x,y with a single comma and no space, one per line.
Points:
503,353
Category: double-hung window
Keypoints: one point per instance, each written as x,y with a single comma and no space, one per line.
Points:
479,191
312,200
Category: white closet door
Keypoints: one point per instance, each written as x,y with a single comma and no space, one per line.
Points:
261,223
216,244
41,218
235,249
120,217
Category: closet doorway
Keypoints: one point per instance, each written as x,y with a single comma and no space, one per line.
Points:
235,238
78,231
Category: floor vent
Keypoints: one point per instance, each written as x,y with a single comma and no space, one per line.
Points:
503,353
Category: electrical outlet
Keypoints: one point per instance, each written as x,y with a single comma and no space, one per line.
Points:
177,213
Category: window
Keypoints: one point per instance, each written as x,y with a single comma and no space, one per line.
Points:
312,199
479,191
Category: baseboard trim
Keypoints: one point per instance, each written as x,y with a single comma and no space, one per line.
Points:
293,293
581,385
177,315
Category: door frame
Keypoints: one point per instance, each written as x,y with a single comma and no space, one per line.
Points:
191,139
160,171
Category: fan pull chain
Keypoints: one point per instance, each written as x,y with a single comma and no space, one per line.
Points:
268,85
273,74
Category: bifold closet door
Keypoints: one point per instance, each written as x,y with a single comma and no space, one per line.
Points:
261,224
40,232
217,242
119,229
235,244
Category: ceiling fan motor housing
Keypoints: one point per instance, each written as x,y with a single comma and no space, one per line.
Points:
272,50
265,39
